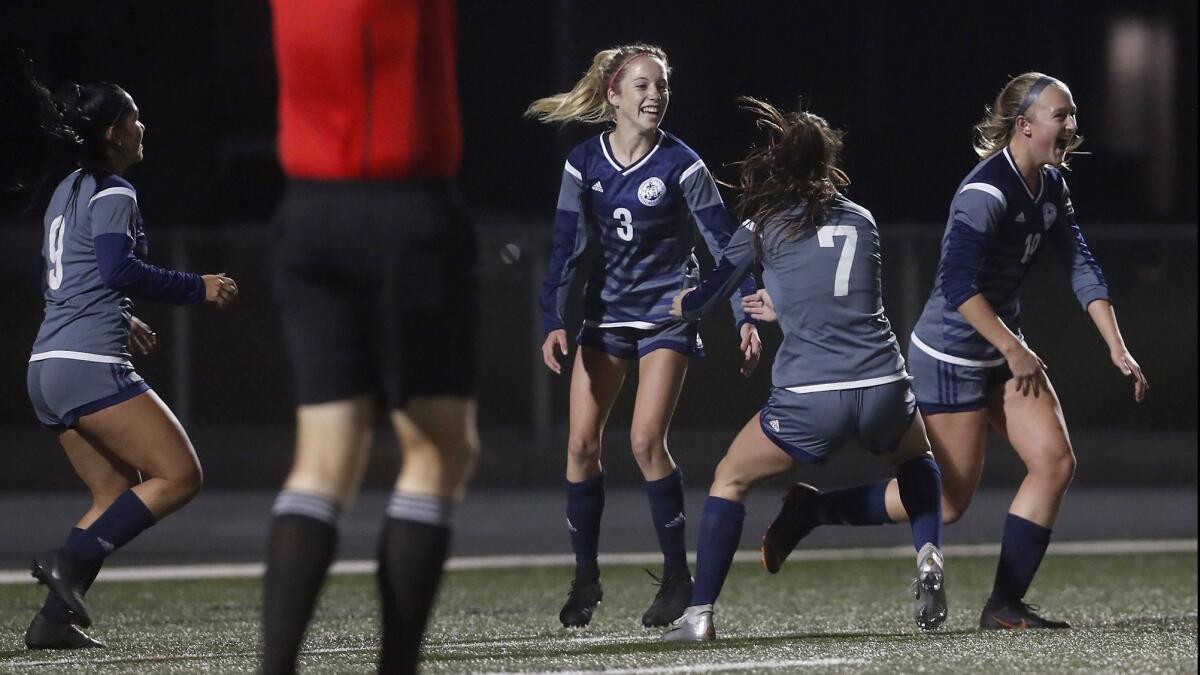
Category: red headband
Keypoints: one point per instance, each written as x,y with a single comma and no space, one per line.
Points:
627,62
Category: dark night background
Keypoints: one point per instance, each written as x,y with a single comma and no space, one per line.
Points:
905,80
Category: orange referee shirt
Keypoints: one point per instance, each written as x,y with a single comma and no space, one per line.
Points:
367,89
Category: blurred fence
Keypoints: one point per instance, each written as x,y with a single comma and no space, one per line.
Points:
226,373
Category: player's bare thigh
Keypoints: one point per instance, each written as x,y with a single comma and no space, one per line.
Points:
661,374
751,457
596,379
332,443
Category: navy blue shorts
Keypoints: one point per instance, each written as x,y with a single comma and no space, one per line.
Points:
626,342
943,387
63,390
811,426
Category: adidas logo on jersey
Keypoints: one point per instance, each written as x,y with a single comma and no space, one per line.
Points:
774,424
598,187
1020,218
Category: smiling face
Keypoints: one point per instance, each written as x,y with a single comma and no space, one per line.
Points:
125,137
1049,126
641,94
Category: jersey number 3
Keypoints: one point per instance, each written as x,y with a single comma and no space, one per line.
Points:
54,252
825,235
625,229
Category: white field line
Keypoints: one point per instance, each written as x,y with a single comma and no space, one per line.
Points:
729,667
252,570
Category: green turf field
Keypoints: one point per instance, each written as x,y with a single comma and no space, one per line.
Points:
1133,613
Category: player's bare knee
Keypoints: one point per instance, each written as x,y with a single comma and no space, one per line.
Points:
649,449
583,450
1054,467
954,507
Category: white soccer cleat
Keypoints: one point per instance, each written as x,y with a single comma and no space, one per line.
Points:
696,625
929,588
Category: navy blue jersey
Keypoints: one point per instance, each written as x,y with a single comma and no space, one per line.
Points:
94,244
995,231
640,217
827,288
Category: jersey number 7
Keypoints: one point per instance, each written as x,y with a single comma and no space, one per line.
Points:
825,235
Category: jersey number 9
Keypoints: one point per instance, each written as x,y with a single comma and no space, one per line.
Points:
54,252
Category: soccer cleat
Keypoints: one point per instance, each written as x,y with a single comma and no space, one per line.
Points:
65,578
581,602
696,625
793,523
1015,615
929,588
674,594
47,633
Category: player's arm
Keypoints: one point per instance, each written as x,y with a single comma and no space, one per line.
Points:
718,228
1091,289
114,217
975,215
568,243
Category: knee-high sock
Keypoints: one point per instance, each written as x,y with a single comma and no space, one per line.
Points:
54,608
585,506
858,505
415,544
123,520
300,548
666,508
920,483
1021,551
720,533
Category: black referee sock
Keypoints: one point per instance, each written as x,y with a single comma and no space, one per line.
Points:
301,546
414,547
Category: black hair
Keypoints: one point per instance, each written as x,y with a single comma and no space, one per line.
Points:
45,136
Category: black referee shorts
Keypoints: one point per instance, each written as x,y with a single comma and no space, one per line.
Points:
377,287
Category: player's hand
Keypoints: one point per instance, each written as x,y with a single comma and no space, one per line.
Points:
759,307
142,340
1028,369
677,303
751,348
1124,362
555,338
220,289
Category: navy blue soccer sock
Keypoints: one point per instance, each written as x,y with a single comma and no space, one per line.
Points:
720,533
123,520
666,509
585,506
54,608
858,505
1021,551
920,483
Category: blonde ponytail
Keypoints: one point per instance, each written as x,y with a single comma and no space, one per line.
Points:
588,99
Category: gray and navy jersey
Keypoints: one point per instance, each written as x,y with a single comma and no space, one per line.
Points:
827,288
996,229
640,217
93,246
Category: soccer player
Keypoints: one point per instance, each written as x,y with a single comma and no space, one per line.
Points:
123,441
634,191
973,370
838,376
376,282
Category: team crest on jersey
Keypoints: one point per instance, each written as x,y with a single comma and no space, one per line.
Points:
1049,214
651,191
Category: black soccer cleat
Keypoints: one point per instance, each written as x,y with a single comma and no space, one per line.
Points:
793,523
66,578
581,603
47,633
674,595
1015,615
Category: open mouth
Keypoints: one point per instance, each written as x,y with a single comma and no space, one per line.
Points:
1062,142
650,110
